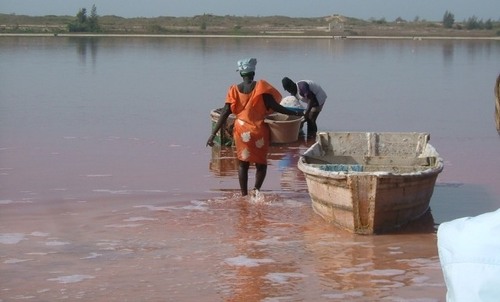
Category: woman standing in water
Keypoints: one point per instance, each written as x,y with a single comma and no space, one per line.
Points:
251,101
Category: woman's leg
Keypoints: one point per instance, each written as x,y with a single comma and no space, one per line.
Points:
260,175
243,176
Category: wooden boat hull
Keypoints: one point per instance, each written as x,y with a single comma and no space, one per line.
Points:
369,202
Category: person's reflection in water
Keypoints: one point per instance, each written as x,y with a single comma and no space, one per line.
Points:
251,261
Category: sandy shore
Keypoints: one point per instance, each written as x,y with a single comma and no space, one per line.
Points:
250,36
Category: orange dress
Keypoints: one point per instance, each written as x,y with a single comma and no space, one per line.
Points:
251,134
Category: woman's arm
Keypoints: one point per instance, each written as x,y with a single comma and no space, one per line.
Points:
226,111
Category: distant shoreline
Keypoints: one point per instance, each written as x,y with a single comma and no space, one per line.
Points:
272,27
418,38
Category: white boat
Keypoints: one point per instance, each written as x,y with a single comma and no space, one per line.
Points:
369,182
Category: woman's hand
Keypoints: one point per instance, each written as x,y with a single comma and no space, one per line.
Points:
210,141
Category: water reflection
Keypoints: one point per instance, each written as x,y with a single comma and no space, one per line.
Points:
281,157
281,251
254,261
285,159
448,53
358,267
85,45
497,103
223,161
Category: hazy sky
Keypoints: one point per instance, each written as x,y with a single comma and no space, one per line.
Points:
431,10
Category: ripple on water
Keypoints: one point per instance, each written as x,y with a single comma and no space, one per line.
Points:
243,260
71,278
344,295
385,272
282,278
11,238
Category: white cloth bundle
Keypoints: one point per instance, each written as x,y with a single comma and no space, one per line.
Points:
469,252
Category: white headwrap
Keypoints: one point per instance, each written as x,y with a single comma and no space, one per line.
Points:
247,65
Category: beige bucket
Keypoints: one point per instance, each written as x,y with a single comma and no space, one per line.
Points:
284,128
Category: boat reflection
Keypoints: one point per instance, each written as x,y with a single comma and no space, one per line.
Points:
223,161
361,268
334,264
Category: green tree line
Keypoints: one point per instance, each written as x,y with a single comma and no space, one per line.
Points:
471,23
84,23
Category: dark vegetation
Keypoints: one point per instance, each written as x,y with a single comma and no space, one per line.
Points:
208,24
84,23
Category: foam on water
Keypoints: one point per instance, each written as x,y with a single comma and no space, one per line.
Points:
118,192
394,250
196,205
344,295
389,283
71,278
14,260
349,270
153,208
134,219
11,238
384,272
282,278
39,234
267,241
291,203
9,201
92,255
256,197
432,262
243,260
127,225
56,243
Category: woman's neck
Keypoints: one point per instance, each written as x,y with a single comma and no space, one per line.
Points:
246,86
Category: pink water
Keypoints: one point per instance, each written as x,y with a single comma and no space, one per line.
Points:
179,244
108,193
181,247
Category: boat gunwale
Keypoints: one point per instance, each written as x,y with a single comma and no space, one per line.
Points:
308,169
428,152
